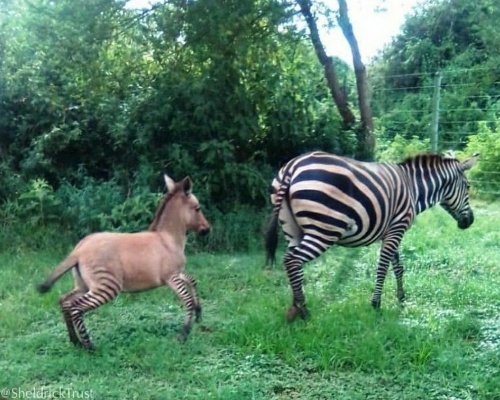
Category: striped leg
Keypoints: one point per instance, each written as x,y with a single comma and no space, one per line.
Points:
398,272
65,303
177,285
307,250
387,253
191,282
89,301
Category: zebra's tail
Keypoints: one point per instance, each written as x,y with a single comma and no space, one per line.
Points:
271,236
271,239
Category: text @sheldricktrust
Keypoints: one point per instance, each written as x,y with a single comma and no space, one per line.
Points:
45,393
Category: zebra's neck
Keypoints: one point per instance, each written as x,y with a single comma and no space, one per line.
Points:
428,179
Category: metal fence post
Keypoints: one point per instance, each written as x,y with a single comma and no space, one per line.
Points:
435,112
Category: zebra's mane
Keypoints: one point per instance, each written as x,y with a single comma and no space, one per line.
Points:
426,158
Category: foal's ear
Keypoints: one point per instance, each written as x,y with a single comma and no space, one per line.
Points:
187,185
470,162
169,183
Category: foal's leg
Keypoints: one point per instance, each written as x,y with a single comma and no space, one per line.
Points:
191,282
65,303
398,268
177,285
89,301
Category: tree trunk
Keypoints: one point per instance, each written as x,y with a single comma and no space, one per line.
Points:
366,139
338,95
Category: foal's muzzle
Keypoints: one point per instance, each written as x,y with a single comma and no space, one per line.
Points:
204,231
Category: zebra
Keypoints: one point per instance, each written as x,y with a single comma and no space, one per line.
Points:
322,199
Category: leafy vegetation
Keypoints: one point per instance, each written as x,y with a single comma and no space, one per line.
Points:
97,101
443,344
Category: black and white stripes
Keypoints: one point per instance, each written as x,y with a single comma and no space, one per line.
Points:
322,199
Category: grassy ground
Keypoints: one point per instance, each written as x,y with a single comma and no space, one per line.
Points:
445,344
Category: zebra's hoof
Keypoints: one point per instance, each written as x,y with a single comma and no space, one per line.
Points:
197,315
76,342
89,348
295,311
304,312
376,304
184,333
291,313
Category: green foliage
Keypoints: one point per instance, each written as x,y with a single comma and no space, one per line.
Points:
458,39
38,205
94,98
239,230
399,148
485,176
103,206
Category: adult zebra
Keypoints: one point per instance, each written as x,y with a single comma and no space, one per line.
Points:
322,199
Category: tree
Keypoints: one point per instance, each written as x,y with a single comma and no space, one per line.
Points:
364,132
366,139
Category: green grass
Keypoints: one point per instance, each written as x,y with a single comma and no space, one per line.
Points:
445,344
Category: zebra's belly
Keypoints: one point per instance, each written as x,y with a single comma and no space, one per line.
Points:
348,235
351,241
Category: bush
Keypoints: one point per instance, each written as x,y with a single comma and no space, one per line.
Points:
399,148
485,177
40,216
106,206
240,229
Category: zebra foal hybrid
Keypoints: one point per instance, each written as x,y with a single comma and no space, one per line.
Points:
107,263
322,199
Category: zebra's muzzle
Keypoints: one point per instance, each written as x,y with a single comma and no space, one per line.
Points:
466,220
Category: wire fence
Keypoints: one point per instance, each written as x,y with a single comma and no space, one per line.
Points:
446,108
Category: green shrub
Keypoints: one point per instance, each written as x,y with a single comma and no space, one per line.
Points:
38,205
86,206
399,148
240,229
485,177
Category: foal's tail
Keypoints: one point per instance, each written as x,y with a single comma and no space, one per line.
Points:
70,262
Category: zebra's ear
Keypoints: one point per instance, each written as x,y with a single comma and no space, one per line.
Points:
449,154
187,185
470,162
169,183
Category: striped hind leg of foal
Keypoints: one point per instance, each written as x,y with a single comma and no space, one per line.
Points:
389,248
177,284
191,282
89,301
308,249
398,269
65,303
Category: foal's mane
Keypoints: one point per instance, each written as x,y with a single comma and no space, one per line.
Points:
159,212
